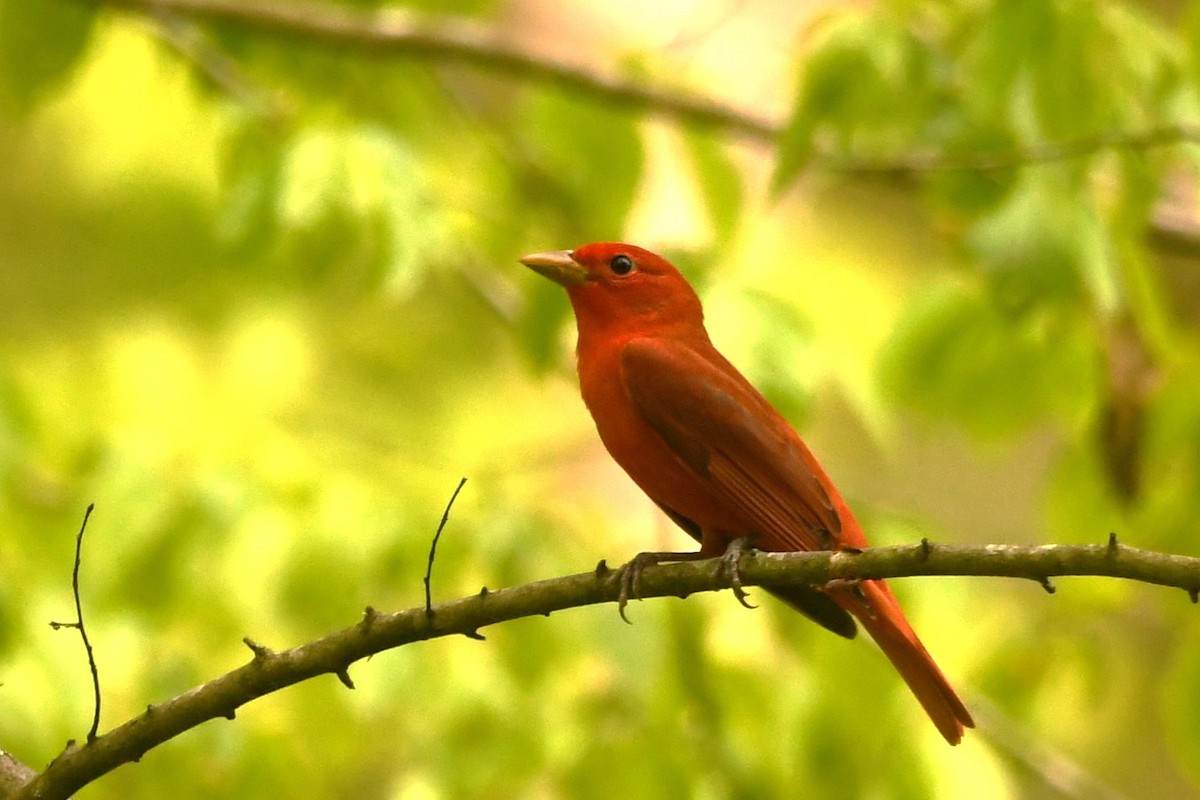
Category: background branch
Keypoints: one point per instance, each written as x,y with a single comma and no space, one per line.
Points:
269,671
440,38
1011,158
459,41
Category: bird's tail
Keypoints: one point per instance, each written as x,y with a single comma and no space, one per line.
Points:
880,614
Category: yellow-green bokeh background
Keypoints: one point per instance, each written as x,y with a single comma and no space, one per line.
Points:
267,345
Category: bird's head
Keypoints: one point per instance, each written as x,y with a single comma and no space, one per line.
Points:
615,287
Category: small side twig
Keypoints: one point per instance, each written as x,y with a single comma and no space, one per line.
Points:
78,623
433,549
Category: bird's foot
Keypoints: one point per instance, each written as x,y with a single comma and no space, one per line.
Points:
731,564
629,575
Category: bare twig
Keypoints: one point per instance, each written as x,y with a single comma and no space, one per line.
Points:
78,625
433,548
221,697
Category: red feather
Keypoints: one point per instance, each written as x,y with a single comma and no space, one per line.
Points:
712,452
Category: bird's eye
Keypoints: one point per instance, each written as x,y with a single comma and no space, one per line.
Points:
621,265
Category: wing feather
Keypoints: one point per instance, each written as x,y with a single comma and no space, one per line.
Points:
732,440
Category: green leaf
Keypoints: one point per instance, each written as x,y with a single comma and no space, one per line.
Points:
1036,246
251,163
956,356
781,338
838,80
332,198
870,87
795,150
583,155
997,47
1180,707
1171,454
720,183
539,327
41,42
1069,73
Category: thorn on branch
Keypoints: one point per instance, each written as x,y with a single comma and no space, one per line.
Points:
602,569
476,635
433,550
1046,584
343,675
261,652
483,592
1113,544
231,714
369,617
1194,594
926,548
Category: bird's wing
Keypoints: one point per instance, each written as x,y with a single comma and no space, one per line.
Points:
733,440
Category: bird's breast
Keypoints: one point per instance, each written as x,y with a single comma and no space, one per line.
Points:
641,451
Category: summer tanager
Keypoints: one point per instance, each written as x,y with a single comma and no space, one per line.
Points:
709,449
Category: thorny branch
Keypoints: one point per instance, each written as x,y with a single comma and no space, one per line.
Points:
270,670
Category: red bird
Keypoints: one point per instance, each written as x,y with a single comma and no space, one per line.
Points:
709,449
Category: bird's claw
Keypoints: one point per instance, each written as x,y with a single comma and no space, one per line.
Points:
625,578
629,578
731,564
629,575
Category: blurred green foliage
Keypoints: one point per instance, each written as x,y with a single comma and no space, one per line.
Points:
260,304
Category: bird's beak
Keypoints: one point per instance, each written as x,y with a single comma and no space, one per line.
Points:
558,266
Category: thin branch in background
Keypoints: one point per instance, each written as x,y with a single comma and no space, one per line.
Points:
441,38
78,623
1049,765
433,548
1016,157
190,41
406,32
